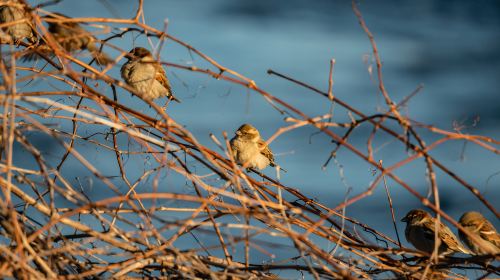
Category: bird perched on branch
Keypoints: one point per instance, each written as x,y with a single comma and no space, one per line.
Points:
72,38
250,150
17,32
488,239
146,75
420,232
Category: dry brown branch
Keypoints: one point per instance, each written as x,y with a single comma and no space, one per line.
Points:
169,205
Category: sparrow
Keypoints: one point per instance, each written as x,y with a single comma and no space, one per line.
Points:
146,75
19,31
420,232
250,150
488,239
72,38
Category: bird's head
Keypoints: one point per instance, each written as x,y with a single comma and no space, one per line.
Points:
471,218
415,215
138,52
247,131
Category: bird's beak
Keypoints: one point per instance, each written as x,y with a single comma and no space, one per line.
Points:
405,219
129,55
238,132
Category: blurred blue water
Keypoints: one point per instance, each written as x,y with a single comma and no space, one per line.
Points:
450,47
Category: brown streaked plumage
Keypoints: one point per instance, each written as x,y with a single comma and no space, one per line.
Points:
19,31
487,239
266,151
146,75
72,37
250,150
161,77
420,232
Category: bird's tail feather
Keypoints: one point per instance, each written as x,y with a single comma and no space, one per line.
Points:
172,97
34,53
464,250
273,164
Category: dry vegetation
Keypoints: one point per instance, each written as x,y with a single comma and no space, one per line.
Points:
51,229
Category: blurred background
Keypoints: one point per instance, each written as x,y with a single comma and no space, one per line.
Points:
448,47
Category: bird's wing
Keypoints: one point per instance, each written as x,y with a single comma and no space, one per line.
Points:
161,77
71,36
488,232
264,150
447,236
444,235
